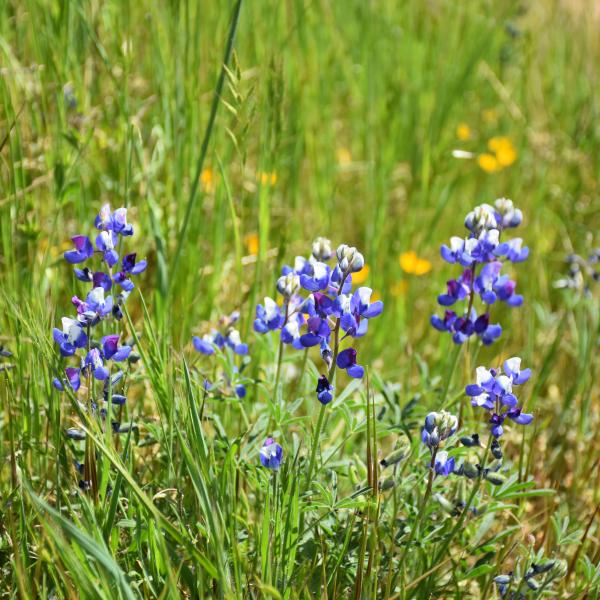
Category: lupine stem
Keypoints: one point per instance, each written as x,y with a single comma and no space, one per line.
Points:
426,496
89,467
331,374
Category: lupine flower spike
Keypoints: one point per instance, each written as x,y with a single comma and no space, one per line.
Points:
480,254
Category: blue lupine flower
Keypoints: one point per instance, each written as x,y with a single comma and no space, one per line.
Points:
290,332
288,285
75,434
493,391
97,279
324,390
240,391
106,242
204,344
513,250
318,277
129,267
268,317
95,306
232,339
116,221
347,360
438,427
318,330
443,465
111,349
73,380
460,251
271,454
356,311
506,213
490,285
71,337
83,250
94,362
458,289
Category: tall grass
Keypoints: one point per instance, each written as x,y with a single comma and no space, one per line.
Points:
353,107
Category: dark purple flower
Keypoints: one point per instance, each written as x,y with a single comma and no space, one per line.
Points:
129,267
111,349
95,306
83,250
73,380
324,390
457,289
271,454
347,360
317,330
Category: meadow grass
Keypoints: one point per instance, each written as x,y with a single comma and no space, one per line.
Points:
329,118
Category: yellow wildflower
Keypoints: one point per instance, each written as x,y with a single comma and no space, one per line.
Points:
344,157
463,132
375,296
207,181
361,276
412,264
268,178
504,150
488,163
252,242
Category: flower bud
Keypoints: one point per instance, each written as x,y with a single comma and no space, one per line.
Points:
288,285
349,259
511,216
481,218
321,249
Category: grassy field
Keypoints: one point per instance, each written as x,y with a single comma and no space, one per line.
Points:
237,132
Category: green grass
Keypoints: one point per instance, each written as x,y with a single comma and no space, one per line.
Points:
354,106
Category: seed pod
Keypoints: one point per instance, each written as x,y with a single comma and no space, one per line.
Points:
495,478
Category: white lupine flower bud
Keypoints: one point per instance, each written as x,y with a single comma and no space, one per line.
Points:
511,216
350,259
321,249
480,218
288,285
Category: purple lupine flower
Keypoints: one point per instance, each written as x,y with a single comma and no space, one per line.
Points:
318,330
94,362
271,454
83,250
73,380
347,360
240,391
457,289
443,465
111,349
95,307
129,267
232,339
290,332
106,242
318,277
493,391
492,286
356,310
324,390
71,337
204,344
513,250
113,221
460,251
268,317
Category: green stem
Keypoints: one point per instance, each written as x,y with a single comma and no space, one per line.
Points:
207,135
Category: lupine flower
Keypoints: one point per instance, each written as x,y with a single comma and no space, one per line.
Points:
75,434
493,391
94,308
439,426
321,249
71,337
271,454
231,338
73,380
268,317
83,250
443,465
111,349
324,390
482,248
582,273
116,221
106,242
347,360
129,267
349,258
94,362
